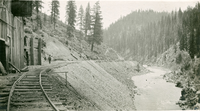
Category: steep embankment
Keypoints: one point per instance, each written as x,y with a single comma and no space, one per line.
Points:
179,62
106,84
57,50
59,46
56,47
185,73
107,91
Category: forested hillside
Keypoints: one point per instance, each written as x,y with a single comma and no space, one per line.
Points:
144,34
189,31
169,39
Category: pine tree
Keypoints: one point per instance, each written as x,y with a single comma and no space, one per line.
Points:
192,46
181,37
45,19
97,31
180,13
38,6
87,21
39,21
80,19
70,17
54,11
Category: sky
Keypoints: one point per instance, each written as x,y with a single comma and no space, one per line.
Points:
112,10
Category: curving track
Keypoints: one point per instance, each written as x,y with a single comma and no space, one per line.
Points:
33,92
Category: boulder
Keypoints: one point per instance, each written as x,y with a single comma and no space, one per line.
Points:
178,84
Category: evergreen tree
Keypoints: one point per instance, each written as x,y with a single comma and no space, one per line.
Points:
39,21
180,15
87,21
71,17
192,46
182,41
38,6
97,32
45,19
80,19
54,11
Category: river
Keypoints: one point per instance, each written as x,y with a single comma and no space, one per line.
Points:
154,93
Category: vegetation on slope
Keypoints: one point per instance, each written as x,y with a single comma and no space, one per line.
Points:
171,40
79,48
185,74
139,34
189,31
184,59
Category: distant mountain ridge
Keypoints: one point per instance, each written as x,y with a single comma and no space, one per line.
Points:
135,36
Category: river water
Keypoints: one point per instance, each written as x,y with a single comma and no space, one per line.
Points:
154,93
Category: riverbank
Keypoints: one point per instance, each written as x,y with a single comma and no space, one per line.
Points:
154,93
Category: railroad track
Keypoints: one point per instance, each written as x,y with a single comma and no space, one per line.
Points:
32,91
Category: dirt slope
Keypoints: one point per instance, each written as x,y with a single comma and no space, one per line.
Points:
93,82
56,49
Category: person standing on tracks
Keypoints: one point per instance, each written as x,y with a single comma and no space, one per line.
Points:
49,58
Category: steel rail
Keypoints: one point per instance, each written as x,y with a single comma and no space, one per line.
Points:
40,82
12,89
46,96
